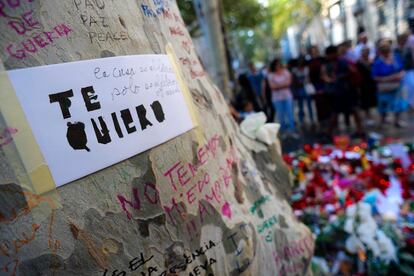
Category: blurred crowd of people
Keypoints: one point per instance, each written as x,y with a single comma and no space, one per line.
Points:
347,80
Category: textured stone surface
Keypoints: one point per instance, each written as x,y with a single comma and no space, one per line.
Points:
231,218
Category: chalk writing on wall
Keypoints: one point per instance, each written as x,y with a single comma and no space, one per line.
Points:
108,36
91,14
256,208
151,195
6,136
242,259
33,44
194,257
266,224
12,214
161,7
191,185
27,26
290,254
177,29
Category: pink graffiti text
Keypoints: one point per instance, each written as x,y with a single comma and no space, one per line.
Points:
6,136
33,44
11,4
151,195
293,251
183,174
202,192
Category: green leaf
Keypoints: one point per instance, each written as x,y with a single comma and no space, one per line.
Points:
407,270
406,257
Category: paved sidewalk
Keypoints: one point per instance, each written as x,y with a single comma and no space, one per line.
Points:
311,134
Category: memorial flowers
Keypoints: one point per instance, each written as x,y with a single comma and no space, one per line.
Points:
358,199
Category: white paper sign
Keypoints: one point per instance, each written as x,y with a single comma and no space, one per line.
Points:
88,115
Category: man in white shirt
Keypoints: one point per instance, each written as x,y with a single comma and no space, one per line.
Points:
363,43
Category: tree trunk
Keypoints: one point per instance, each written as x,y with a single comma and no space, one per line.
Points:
232,218
208,14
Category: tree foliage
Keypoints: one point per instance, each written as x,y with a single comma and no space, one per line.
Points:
237,14
187,11
285,13
189,16
242,14
253,29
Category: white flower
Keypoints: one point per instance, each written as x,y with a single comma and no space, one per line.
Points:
372,245
367,228
329,208
333,219
390,215
388,251
354,245
349,226
364,211
350,211
365,235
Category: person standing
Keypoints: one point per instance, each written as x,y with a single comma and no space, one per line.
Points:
388,73
267,100
363,44
322,105
244,102
256,78
405,49
346,52
368,89
300,81
279,81
337,75
409,57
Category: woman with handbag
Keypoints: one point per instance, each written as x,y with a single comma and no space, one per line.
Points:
388,73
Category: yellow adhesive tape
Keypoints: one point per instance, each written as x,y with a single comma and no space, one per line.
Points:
42,179
27,148
186,92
